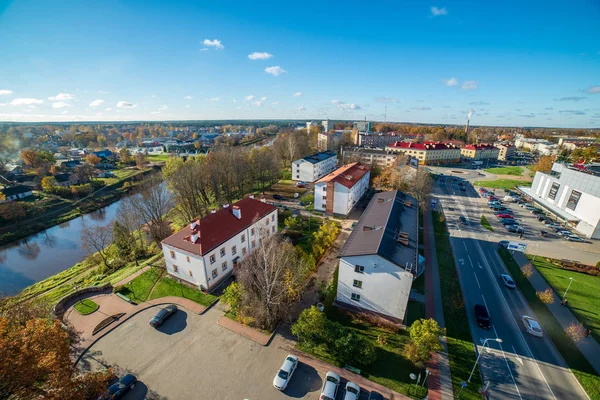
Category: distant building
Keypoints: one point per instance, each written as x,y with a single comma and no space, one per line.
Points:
378,157
377,140
329,140
572,143
541,146
507,150
208,250
327,125
428,153
338,192
65,179
362,126
380,259
16,193
103,154
313,167
479,152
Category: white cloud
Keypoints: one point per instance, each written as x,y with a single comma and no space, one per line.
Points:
301,108
96,103
213,43
386,100
297,94
346,106
336,102
249,98
4,92
234,100
204,49
25,101
275,103
188,97
259,103
102,91
187,106
594,89
125,104
108,109
65,112
470,85
62,97
438,11
163,107
450,82
60,104
214,99
260,56
276,70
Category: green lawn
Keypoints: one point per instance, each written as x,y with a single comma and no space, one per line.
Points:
461,350
486,224
581,368
516,171
86,306
501,184
158,157
583,297
139,288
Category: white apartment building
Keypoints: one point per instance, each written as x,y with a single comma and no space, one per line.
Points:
338,192
313,167
208,250
380,259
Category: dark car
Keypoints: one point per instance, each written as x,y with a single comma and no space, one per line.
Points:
375,396
508,221
119,389
278,197
541,218
503,243
482,316
162,315
514,229
463,220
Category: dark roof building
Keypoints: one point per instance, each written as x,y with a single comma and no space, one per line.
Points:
318,157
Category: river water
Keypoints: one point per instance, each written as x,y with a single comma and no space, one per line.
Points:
44,254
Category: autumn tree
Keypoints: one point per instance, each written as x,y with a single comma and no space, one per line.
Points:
140,161
527,270
2,197
546,296
48,183
12,211
420,187
153,202
96,239
84,173
29,157
53,170
324,238
124,155
93,159
37,159
190,184
544,164
575,330
425,337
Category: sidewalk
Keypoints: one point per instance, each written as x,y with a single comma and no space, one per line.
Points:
588,346
440,381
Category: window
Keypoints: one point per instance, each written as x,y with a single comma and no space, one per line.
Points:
175,269
324,188
215,273
273,218
253,244
187,258
222,251
243,238
212,259
243,251
359,268
324,197
172,254
252,232
355,296
573,200
357,284
234,250
273,229
267,223
190,272
297,176
224,266
553,190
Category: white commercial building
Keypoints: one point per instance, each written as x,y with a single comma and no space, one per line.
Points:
380,259
208,250
313,167
338,192
573,195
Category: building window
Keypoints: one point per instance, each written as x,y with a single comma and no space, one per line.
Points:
190,272
234,250
212,259
273,229
324,197
172,254
357,284
175,269
243,251
215,273
253,244
187,258
553,190
324,188
224,266
222,251
359,268
355,296
573,200
273,218
243,238
252,232
267,223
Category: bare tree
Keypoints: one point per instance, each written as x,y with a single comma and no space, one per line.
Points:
190,184
153,202
420,187
96,239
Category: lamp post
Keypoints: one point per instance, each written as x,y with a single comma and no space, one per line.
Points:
479,355
570,281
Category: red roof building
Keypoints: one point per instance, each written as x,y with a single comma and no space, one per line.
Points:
338,192
481,151
428,153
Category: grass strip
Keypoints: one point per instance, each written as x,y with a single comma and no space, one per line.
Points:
485,223
86,306
506,184
516,171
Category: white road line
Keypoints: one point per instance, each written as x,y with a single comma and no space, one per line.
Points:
507,364
464,244
478,285
470,260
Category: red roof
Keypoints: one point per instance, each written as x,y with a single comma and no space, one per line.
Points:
424,146
483,146
347,175
217,228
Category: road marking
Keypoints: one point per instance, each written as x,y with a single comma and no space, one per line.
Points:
461,261
519,359
464,244
508,365
478,285
470,260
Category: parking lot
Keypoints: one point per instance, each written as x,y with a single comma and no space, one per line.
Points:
192,357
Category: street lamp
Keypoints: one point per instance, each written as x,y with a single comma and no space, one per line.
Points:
479,355
570,281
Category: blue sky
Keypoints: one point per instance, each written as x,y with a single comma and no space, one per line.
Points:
533,63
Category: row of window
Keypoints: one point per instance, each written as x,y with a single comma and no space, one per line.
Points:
215,272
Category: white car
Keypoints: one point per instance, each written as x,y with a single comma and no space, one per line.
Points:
508,281
330,386
532,326
352,391
284,375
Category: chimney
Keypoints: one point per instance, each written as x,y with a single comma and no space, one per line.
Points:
226,205
237,212
194,237
263,199
213,211
251,195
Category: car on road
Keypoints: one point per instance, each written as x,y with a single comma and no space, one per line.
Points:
482,316
463,220
119,389
284,375
375,396
278,197
352,391
563,232
508,281
532,326
573,238
162,315
503,243
514,228
330,386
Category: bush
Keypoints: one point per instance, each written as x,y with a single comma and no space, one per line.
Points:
119,288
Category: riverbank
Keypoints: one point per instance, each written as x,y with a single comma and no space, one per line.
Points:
60,210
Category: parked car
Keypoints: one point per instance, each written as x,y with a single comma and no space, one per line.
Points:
508,221
352,391
541,218
573,238
284,375
504,215
375,396
119,389
508,199
278,197
508,281
162,315
514,228
463,220
330,386
503,243
532,326
482,316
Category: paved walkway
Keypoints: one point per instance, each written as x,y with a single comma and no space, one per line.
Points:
588,346
440,381
249,333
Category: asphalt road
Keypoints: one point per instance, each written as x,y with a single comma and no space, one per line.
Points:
522,366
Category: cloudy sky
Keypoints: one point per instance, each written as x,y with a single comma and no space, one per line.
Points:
534,63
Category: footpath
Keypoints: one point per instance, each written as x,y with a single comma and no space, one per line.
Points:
588,346
440,381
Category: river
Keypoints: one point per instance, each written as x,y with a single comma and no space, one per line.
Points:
46,253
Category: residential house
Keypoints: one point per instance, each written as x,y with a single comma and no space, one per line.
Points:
16,192
313,167
479,152
428,153
374,157
208,250
507,151
380,259
65,179
338,192
103,154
